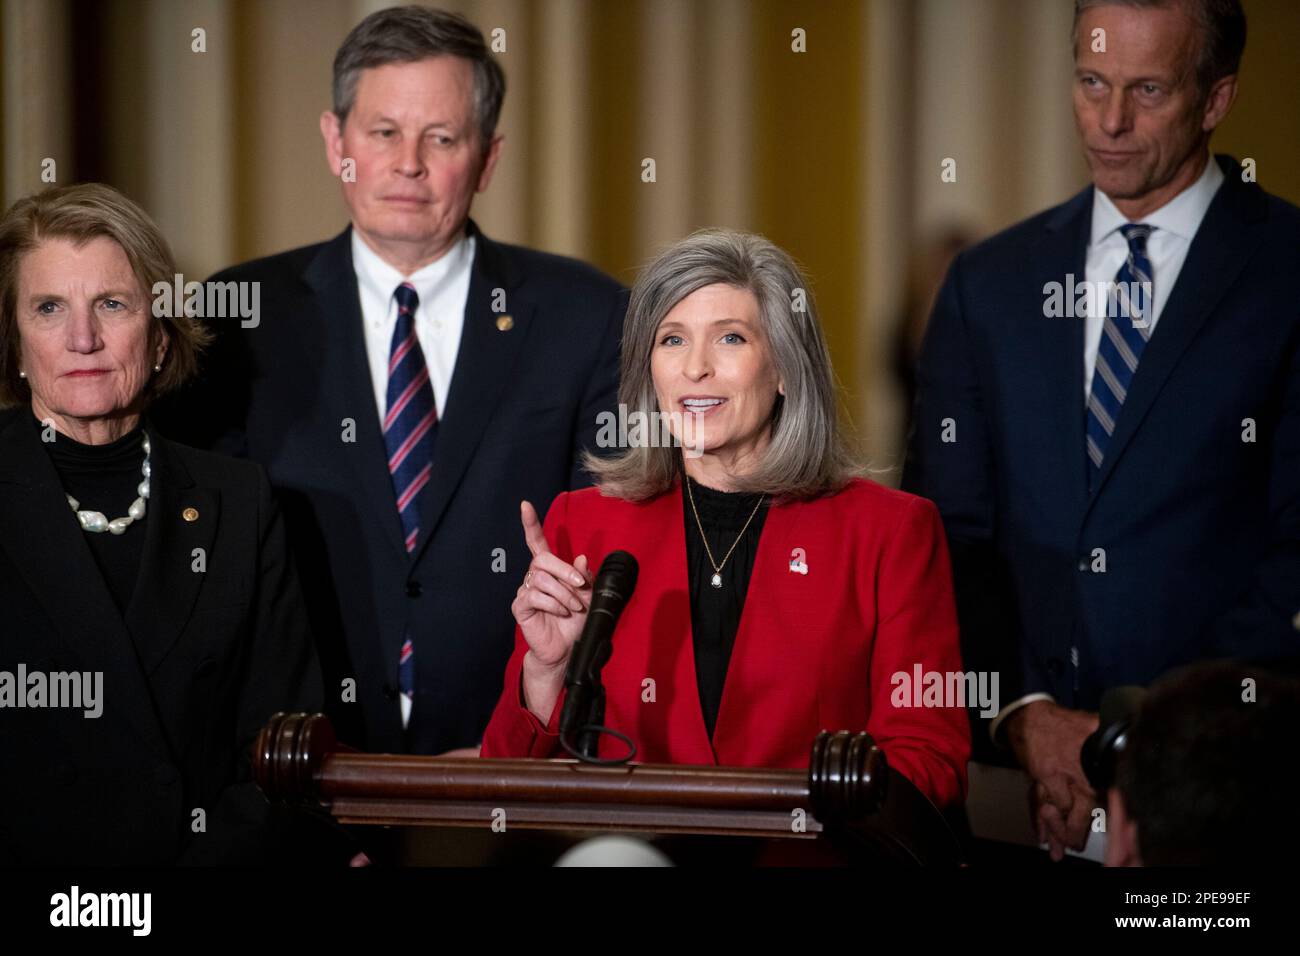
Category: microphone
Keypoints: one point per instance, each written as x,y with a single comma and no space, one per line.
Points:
1101,751
584,702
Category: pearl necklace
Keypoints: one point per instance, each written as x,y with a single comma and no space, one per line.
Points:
96,522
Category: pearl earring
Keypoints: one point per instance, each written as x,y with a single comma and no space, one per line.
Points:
22,374
158,368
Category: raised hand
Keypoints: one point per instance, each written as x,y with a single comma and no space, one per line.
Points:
551,610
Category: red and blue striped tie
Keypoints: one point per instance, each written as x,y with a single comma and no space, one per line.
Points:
410,427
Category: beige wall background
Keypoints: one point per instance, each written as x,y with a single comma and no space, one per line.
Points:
835,153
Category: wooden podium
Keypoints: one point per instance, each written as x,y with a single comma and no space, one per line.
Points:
848,801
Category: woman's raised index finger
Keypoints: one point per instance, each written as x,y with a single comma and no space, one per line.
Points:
533,534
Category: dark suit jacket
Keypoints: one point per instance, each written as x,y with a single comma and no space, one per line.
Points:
523,404
1200,530
200,662
815,651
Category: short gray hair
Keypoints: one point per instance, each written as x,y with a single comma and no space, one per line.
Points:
1223,32
79,213
413,33
807,456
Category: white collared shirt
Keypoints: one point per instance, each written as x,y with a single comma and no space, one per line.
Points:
443,288
1175,225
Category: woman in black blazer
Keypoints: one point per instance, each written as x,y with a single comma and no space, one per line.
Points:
150,621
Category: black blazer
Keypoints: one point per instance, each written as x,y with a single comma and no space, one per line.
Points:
199,664
1199,529
528,385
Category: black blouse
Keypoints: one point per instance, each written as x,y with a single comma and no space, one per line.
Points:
105,478
715,612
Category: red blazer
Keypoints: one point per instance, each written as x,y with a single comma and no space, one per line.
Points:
814,651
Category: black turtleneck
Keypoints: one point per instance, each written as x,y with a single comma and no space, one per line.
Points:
715,612
105,478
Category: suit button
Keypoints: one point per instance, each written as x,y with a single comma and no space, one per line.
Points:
165,774
413,589
390,692
66,774
1055,666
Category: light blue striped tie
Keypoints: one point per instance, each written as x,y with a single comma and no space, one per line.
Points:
1124,336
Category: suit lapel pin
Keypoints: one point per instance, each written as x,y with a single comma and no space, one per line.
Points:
505,323
190,514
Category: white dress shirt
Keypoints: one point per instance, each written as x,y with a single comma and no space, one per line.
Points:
443,288
1175,224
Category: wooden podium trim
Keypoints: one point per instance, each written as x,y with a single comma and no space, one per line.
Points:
583,817
847,794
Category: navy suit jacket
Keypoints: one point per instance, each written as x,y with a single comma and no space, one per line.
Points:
523,403
1199,529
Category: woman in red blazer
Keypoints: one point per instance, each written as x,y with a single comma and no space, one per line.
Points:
778,593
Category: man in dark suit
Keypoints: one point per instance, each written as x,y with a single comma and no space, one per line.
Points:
1120,478
407,384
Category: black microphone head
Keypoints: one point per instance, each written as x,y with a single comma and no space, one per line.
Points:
619,570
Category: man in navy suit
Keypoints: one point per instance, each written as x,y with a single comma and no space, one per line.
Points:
407,384
1109,405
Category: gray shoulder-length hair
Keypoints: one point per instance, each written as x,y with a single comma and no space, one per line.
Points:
806,456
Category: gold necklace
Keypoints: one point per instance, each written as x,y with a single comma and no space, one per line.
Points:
716,580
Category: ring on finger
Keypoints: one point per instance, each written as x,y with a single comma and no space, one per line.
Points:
528,579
